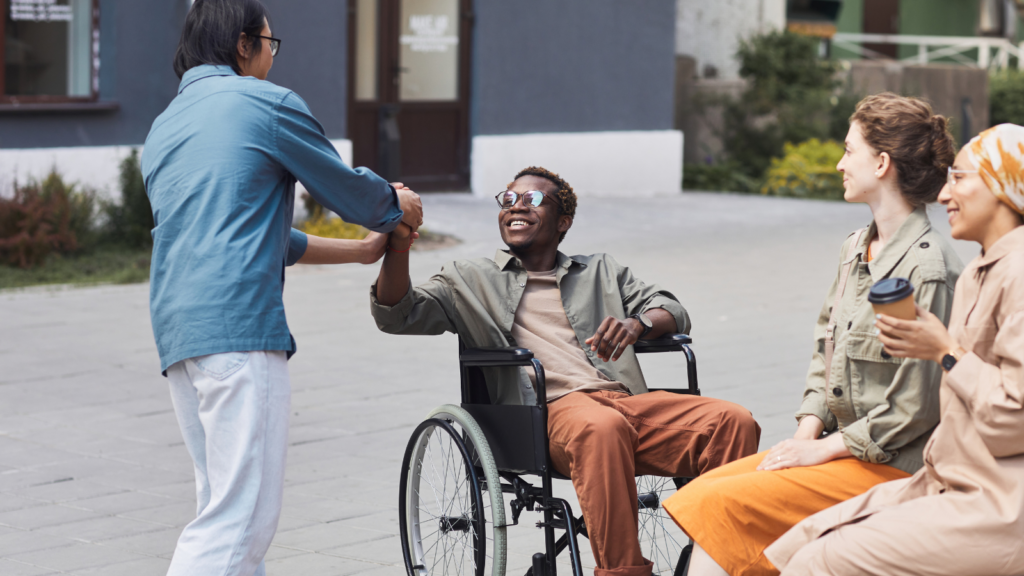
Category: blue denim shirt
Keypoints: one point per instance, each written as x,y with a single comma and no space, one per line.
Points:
220,166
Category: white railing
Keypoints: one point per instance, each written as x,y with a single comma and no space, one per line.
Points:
991,52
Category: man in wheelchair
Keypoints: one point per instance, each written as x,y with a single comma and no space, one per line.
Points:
580,316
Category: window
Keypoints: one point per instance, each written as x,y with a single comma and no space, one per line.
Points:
50,51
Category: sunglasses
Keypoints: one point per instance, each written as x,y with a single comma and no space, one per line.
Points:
275,44
508,198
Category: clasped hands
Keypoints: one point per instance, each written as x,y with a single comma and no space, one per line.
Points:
402,237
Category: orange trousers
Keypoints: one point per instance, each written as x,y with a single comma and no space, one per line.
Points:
737,511
603,439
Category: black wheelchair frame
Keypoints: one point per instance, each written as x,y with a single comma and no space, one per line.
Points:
527,454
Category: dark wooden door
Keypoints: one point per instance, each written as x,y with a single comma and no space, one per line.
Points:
409,90
882,17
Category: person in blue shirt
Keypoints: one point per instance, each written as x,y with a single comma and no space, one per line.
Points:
220,166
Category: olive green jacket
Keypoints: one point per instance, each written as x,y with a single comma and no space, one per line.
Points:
885,407
477,299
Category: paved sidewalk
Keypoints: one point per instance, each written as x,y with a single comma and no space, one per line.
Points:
95,479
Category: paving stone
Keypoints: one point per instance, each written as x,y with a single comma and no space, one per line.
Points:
46,515
155,543
75,557
95,429
317,564
100,529
12,568
27,541
130,568
122,501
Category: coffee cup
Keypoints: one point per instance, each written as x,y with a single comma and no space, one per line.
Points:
893,297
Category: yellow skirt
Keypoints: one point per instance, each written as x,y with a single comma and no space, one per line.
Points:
735,511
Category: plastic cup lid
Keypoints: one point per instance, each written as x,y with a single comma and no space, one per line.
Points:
890,290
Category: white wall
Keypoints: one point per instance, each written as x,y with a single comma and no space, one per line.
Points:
594,163
89,166
710,30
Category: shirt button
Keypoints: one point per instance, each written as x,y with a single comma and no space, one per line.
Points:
925,244
850,325
837,392
522,284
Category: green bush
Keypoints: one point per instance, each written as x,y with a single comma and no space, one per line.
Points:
1006,97
130,222
724,177
792,96
807,170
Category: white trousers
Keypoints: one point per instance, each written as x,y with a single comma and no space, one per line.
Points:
233,411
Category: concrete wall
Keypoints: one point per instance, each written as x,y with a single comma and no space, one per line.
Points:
137,42
710,31
314,56
572,66
946,87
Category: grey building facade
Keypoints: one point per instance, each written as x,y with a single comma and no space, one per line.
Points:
444,94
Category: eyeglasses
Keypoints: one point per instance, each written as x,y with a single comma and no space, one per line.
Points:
950,172
508,198
275,45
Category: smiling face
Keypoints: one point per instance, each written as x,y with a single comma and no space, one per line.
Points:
969,202
524,228
859,166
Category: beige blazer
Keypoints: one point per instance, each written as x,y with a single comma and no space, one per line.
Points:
963,513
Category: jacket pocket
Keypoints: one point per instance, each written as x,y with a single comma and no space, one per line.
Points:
867,346
978,336
220,366
871,371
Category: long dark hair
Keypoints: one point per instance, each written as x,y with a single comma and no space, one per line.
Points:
211,32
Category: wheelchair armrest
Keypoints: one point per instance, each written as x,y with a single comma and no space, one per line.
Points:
666,343
495,357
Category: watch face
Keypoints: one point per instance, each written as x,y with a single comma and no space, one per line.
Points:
948,361
645,321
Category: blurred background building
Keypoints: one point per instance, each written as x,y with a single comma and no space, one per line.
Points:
784,73
457,95
440,94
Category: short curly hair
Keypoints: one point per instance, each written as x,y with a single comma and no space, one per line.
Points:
565,198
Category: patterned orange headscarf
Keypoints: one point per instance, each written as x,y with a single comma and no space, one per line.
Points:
999,155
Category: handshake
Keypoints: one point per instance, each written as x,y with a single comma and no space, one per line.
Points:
402,237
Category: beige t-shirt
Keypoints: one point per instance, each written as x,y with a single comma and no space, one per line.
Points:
540,324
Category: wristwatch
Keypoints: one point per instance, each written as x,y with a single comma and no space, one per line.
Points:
950,360
645,322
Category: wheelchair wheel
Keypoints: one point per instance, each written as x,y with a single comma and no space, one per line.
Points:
661,540
448,519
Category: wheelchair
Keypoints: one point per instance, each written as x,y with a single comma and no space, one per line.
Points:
462,460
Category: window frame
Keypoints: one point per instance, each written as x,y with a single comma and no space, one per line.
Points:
8,101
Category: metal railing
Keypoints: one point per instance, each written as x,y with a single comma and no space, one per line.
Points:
994,53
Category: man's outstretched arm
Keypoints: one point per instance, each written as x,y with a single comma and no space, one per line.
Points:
393,280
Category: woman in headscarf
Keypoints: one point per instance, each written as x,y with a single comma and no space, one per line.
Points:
963,513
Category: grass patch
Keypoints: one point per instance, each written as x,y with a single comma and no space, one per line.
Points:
106,265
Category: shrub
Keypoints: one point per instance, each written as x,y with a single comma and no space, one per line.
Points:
1006,97
792,96
807,170
42,218
130,222
725,177
333,228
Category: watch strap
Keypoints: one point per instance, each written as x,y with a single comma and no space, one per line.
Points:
647,326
